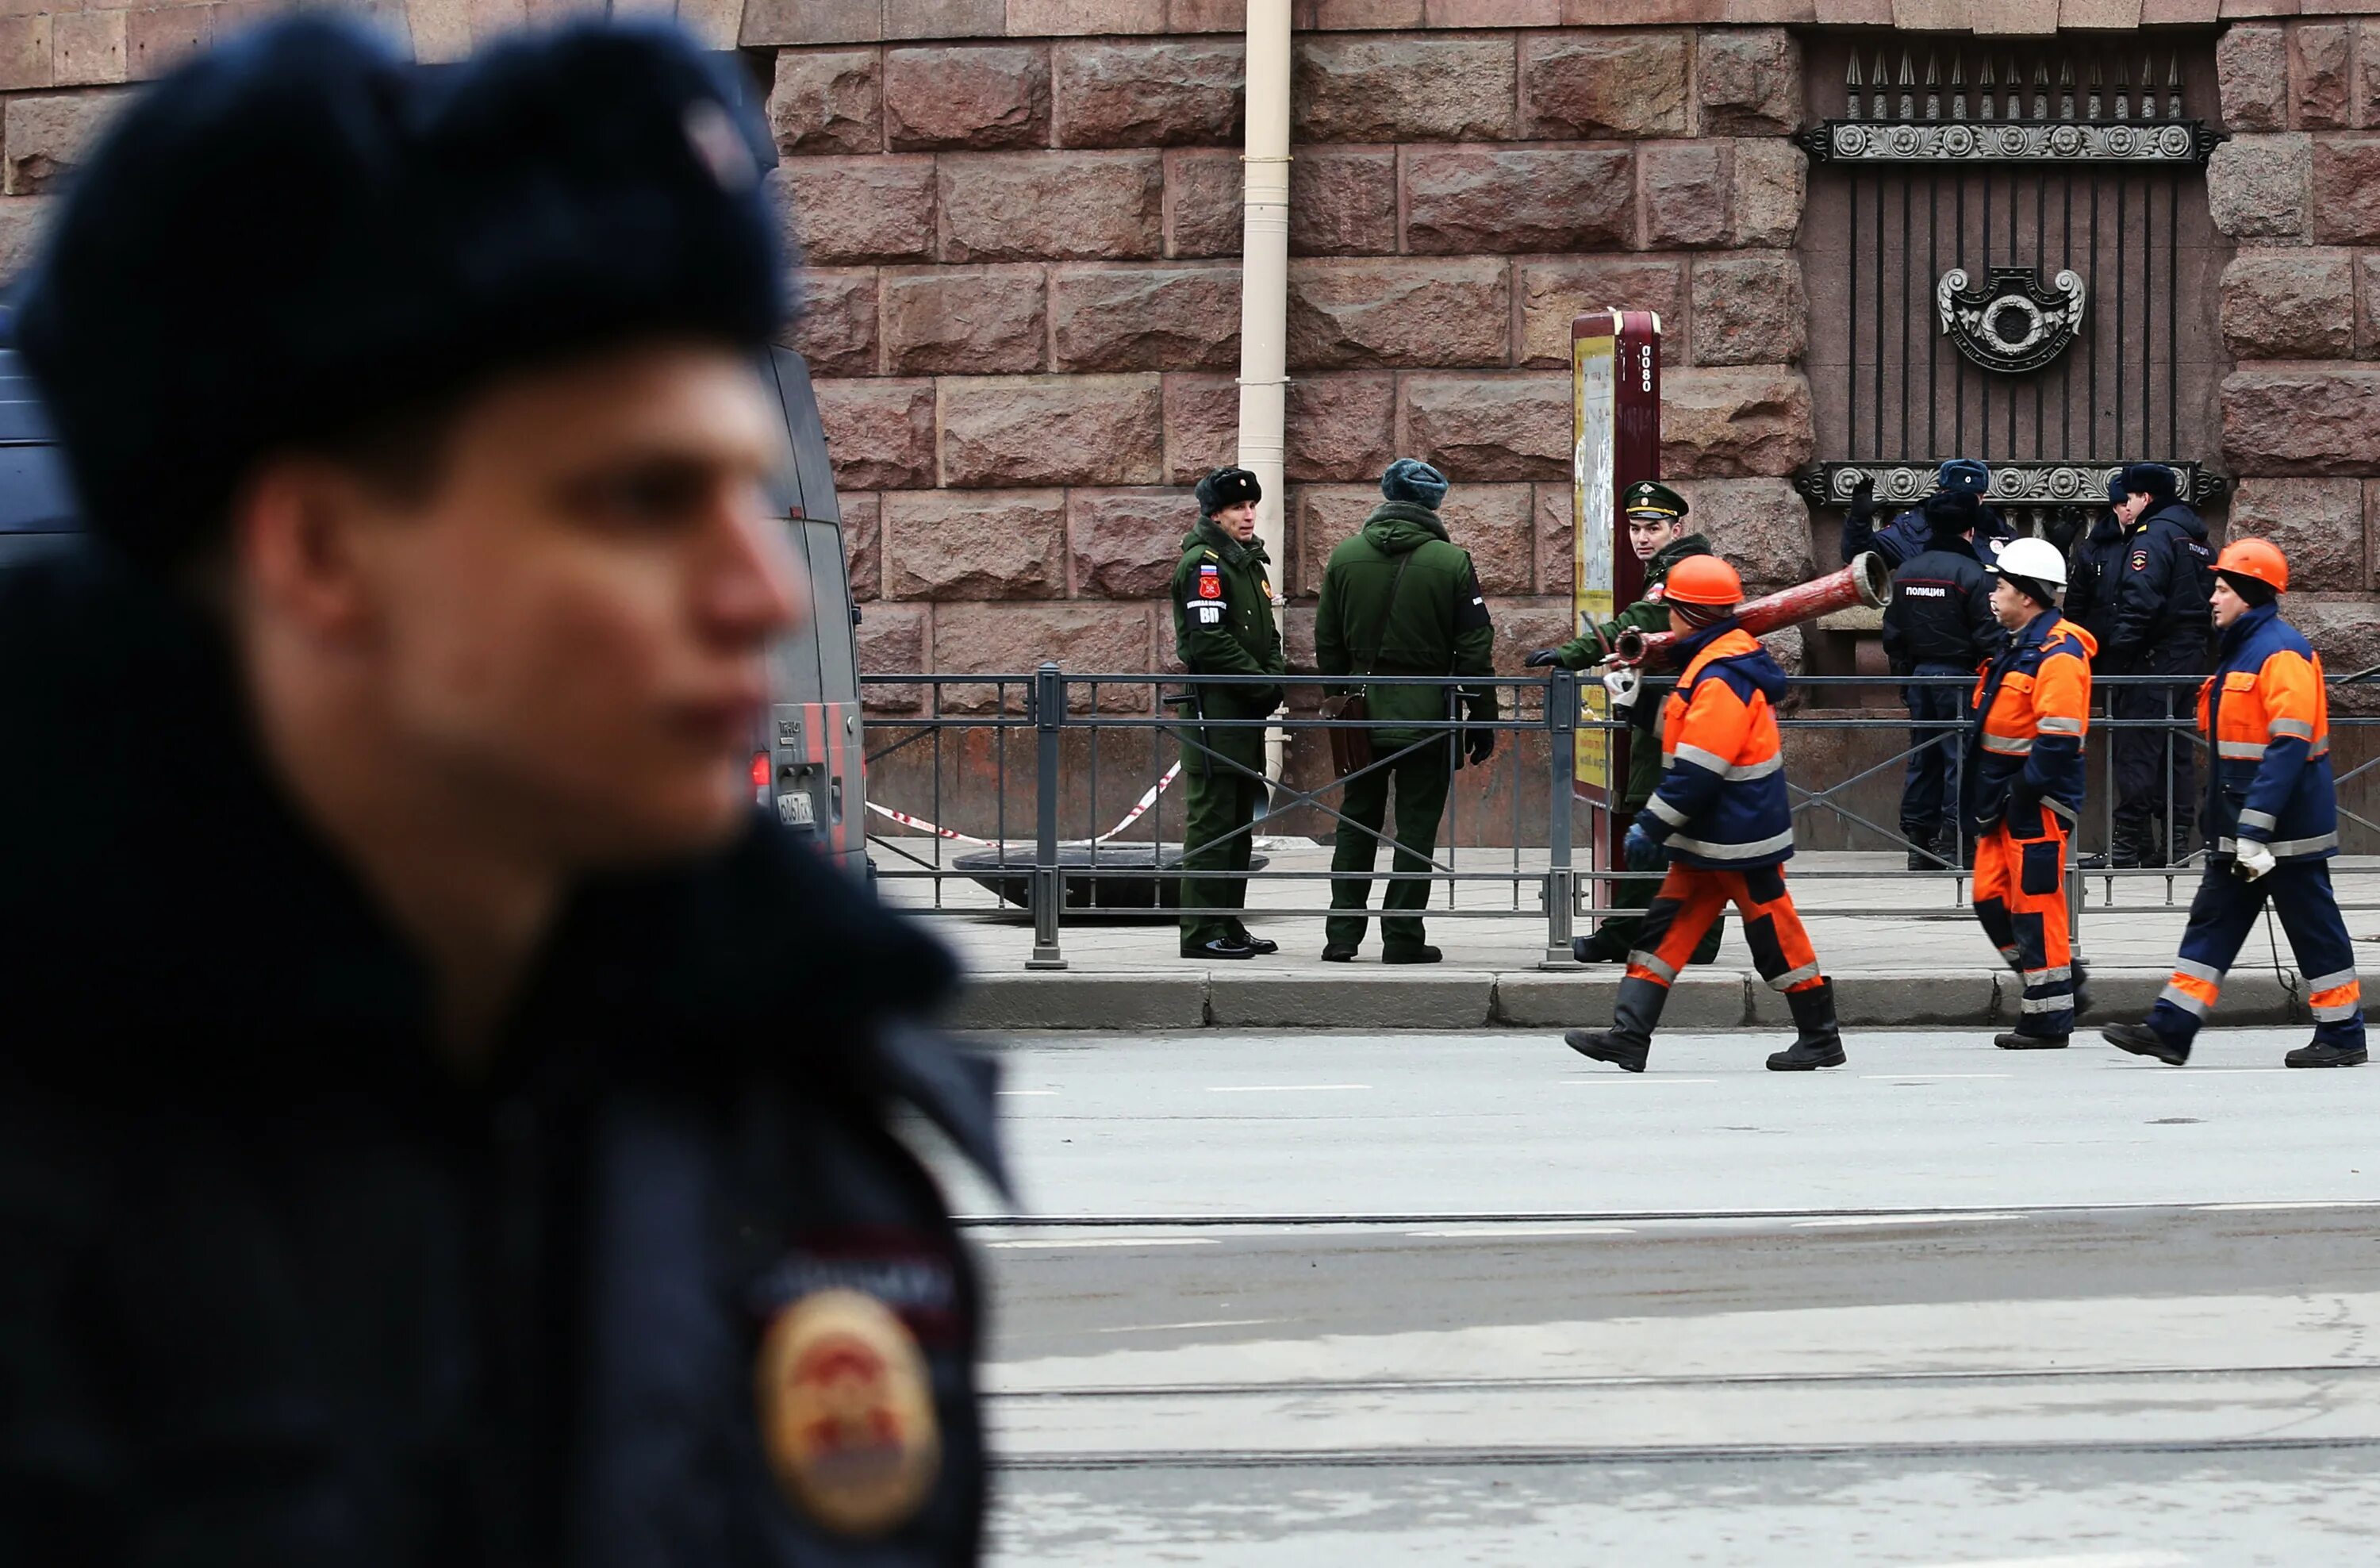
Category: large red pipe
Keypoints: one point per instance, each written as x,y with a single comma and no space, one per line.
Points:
1865,581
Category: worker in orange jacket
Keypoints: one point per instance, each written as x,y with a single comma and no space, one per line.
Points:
2023,786
2271,821
1721,812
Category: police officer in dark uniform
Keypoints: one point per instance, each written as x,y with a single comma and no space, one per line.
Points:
440,1122
1939,623
2096,564
1223,626
2161,628
1907,534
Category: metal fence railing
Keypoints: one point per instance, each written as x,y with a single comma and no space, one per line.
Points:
1063,785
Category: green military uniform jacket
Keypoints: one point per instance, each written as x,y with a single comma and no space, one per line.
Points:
1438,625
1223,626
1650,614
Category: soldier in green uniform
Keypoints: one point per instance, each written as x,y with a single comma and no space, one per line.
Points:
1400,599
1223,626
1657,531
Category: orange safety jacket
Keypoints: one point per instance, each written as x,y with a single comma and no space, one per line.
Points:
1721,802
2266,716
2033,708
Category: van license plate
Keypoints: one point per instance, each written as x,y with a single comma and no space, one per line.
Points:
797,811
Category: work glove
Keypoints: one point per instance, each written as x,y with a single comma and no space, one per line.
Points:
1863,499
1478,745
1638,851
2255,860
1622,681
1542,658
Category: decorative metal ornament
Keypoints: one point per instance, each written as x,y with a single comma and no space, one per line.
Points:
2059,142
2010,323
2013,485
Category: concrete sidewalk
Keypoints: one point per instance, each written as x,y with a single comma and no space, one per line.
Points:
1915,958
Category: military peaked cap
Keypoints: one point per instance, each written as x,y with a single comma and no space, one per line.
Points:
299,233
1652,498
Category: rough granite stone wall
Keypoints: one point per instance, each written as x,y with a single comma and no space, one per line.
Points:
2299,188
1023,293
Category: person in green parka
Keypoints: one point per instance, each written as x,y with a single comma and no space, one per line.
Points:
1659,533
1400,599
1223,626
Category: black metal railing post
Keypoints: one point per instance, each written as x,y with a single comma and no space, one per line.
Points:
1562,880
1049,713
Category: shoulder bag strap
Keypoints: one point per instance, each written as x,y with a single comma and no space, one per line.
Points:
1380,632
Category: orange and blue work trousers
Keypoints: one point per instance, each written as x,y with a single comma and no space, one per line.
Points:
2020,898
2221,916
1690,900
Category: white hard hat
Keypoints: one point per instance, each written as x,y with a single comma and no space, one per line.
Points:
2035,558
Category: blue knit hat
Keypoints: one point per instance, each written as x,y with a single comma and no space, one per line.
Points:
1410,479
1964,473
299,235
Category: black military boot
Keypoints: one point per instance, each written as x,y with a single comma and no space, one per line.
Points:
1921,848
2323,1054
1606,947
2142,1040
1629,1041
1821,1042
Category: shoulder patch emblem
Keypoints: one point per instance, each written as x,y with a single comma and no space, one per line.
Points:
2140,560
846,1413
1652,594
1211,582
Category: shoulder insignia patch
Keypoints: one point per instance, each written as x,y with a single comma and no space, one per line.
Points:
2140,560
846,1413
1211,582
1652,594
1212,556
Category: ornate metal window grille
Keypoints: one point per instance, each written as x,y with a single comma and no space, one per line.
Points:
2015,167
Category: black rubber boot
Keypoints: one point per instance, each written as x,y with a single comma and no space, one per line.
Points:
2142,1040
1820,1043
1425,953
1629,1041
2030,1042
1603,947
2321,1053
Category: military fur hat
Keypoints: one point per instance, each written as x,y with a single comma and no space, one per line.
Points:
1951,513
300,234
2152,480
1411,480
1964,473
1227,487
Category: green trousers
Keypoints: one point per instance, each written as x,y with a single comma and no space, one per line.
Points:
1421,780
1221,800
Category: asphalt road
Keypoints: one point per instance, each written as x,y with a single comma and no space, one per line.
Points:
1458,1299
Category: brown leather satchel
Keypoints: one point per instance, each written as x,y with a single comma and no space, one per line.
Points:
1351,749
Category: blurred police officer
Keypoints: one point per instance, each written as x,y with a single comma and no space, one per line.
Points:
439,1123
2096,563
2271,823
2161,629
2023,789
1938,623
1400,599
1908,532
1659,534
1223,626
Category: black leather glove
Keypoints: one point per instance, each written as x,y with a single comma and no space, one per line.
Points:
1863,499
2064,524
1542,658
1478,746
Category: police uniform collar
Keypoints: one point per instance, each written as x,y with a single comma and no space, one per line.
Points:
212,936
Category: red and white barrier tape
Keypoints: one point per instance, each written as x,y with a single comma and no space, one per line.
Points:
1140,807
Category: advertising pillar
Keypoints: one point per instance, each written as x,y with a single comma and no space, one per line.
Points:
1616,422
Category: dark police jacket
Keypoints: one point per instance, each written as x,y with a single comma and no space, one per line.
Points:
2164,583
2093,578
1907,535
277,1286
1941,609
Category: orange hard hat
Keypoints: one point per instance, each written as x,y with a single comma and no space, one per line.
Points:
2257,558
1703,580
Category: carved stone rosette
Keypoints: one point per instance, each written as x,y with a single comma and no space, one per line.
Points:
2019,485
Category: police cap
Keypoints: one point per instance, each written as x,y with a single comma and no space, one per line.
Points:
1650,498
1227,487
299,235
